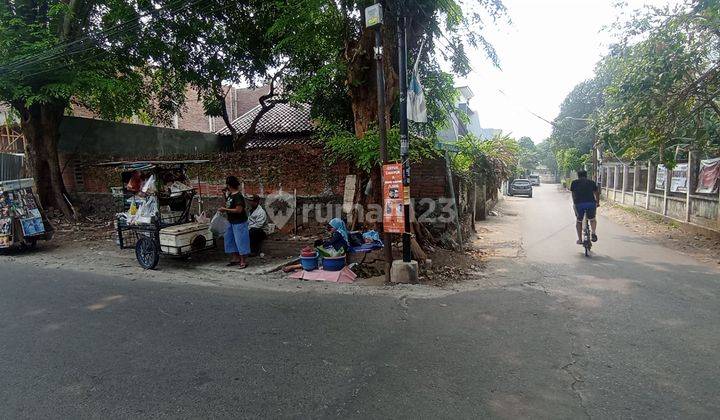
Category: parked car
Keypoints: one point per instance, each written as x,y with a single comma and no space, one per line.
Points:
521,187
535,180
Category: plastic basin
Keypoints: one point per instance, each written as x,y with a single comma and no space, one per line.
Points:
309,263
333,263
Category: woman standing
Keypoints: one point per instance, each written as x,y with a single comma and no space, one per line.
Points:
237,237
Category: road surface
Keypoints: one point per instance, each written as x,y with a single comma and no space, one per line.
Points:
633,331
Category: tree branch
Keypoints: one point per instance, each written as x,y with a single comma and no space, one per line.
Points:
266,104
220,96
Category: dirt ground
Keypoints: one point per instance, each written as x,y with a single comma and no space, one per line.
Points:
668,233
91,247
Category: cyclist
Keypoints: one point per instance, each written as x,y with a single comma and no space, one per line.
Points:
586,199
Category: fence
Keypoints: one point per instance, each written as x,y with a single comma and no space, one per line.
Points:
635,185
11,139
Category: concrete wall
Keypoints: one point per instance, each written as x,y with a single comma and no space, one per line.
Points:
703,209
107,138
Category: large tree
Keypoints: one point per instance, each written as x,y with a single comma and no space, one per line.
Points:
55,54
664,82
331,57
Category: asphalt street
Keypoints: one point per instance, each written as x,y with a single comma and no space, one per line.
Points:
633,331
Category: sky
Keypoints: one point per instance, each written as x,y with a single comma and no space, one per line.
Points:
550,46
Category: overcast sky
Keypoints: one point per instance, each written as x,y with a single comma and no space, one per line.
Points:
550,46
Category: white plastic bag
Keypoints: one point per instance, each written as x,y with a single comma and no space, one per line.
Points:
218,225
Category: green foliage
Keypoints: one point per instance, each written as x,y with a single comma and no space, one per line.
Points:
528,157
95,55
571,159
365,154
658,88
330,59
546,155
495,159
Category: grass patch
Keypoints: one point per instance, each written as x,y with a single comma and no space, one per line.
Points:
647,215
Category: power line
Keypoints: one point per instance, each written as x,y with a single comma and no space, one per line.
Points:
60,51
69,64
451,46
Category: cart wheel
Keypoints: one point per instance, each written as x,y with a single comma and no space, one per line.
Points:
198,243
147,253
31,245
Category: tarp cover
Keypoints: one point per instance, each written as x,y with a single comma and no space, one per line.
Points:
11,166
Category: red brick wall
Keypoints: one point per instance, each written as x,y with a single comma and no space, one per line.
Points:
192,116
428,179
263,171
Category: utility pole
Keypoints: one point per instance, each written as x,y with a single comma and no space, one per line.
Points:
374,18
404,140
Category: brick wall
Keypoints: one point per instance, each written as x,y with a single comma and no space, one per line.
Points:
192,116
428,179
262,171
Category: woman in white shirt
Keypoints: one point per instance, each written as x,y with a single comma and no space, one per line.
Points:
257,222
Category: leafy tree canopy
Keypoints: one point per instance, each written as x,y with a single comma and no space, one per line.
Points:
657,88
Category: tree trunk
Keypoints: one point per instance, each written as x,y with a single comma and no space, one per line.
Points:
363,82
41,127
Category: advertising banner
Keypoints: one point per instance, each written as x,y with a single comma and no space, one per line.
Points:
708,177
393,197
678,182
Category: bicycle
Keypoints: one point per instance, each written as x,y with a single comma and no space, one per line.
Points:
587,238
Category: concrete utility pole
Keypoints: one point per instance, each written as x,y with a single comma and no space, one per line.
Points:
374,19
405,271
404,140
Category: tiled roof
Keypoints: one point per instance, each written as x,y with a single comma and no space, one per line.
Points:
274,142
281,119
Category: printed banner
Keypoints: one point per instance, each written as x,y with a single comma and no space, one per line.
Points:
678,182
393,195
708,177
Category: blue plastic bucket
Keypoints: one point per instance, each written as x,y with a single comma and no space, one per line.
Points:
333,263
309,263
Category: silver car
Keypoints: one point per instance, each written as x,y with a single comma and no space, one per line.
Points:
521,187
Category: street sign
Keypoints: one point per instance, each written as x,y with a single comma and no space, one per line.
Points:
373,15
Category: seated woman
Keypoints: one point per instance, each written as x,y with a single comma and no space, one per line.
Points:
339,238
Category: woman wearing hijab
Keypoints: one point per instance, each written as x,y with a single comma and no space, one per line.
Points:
237,236
339,238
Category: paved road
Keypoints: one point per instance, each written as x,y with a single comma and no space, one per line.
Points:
632,332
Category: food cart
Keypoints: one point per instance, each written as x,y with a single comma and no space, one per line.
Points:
22,222
155,218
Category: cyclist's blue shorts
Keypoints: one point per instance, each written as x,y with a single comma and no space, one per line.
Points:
581,209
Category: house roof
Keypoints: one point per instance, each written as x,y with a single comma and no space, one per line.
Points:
281,119
247,98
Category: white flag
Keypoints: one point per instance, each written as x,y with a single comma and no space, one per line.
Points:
416,108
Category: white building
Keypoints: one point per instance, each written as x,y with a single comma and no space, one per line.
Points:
457,128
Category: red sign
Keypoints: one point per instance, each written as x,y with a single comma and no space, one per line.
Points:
393,198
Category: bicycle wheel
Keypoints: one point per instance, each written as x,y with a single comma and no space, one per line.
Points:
147,253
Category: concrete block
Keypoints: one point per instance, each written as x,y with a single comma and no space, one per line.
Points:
404,272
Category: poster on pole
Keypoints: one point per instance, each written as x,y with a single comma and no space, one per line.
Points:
393,195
